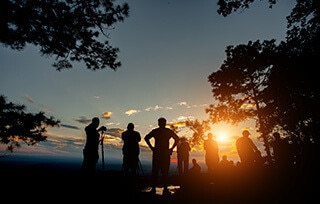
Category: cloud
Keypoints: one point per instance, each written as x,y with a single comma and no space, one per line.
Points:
177,124
83,119
28,98
184,118
115,132
42,107
69,126
131,112
183,103
157,107
112,123
106,115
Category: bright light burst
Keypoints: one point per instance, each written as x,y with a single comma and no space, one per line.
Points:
221,137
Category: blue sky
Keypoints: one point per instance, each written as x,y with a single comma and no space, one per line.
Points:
167,50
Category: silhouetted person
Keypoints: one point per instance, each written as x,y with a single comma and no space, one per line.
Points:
211,154
282,151
224,161
161,150
130,150
91,148
195,169
248,152
225,166
183,149
192,184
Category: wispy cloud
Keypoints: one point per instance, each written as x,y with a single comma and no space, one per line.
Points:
40,106
28,98
177,124
115,132
155,108
182,103
83,120
131,112
184,118
69,126
112,123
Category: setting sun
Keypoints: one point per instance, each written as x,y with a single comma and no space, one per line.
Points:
221,137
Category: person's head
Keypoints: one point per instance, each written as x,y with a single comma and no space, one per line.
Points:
95,122
182,139
224,157
194,161
162,122
245,133
130,126
210,135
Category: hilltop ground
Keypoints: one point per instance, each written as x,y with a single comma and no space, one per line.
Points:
266,185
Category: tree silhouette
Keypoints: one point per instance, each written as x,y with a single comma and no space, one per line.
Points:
199,128
17,126
67,30
273,84
226,7
240,83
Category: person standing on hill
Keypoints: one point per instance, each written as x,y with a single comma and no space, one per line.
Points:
183,149
161,150
211,154
91,148
248,152
130,150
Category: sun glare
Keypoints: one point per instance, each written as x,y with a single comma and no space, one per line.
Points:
221,137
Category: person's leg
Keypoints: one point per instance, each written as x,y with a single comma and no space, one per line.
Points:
85,161
165,172
186,165
154,173
125,167
180,167
134,165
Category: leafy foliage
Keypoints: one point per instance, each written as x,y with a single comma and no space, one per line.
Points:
240,81
199,129
17,126
276,85
226,7
68,30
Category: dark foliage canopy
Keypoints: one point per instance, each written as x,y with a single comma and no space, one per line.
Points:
226,7
68,30
18,126
274,84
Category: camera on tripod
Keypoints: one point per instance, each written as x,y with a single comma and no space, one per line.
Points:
102,128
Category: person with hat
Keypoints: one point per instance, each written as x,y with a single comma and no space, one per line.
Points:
248,152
